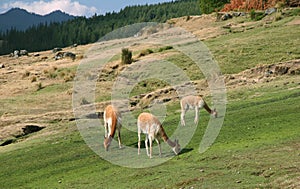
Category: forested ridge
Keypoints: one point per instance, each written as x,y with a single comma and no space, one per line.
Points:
82,30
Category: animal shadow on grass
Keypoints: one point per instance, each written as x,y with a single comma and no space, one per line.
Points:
185,150
164,154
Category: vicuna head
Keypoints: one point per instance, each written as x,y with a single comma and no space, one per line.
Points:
214,113
107,142
176,149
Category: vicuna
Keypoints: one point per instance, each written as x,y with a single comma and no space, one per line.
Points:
151,126
112,123
195,102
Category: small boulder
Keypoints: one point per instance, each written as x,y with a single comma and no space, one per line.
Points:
70,55
56,49
31,129
59,55
16,53
270,11
23,52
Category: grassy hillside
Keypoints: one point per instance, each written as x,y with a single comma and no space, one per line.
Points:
247,46
258,146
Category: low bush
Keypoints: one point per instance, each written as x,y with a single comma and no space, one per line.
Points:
257,15
145,52
126,56
165,48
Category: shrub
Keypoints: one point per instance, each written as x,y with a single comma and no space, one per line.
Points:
256,15
33,79
126,56
62,74
69,77
53,75
293,12
39,86
26,74
84,101
165,48
145,52
187,18
278,16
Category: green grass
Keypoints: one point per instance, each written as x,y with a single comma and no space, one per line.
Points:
55,88
34,101
236,52
256,147
146,86
187,65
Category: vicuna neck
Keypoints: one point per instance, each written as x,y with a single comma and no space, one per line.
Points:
171,143
165,137
163,134
108,139
207,108
113,126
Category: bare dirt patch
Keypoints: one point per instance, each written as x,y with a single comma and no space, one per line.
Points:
21,104
263,73
204,26
296,21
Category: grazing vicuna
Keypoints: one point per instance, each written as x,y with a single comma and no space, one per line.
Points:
112,123
151,126
195,102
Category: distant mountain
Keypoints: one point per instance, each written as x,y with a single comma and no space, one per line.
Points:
82,30
20,19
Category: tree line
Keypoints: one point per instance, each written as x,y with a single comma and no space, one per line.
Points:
82,30
246,5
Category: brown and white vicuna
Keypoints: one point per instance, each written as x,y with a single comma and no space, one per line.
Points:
112,123
151,126
196,102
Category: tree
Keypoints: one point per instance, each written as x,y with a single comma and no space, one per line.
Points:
208,6
248,5
204,6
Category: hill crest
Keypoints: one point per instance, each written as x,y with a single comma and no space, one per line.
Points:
21,19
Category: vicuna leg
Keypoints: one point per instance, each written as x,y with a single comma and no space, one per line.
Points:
139,142
159,147
146,144
183,111
196,115
150,141
106,129
119,138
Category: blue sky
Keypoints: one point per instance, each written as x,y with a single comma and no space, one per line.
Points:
74,7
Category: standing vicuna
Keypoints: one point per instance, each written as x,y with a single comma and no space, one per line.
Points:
112,123
151,126
195,102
